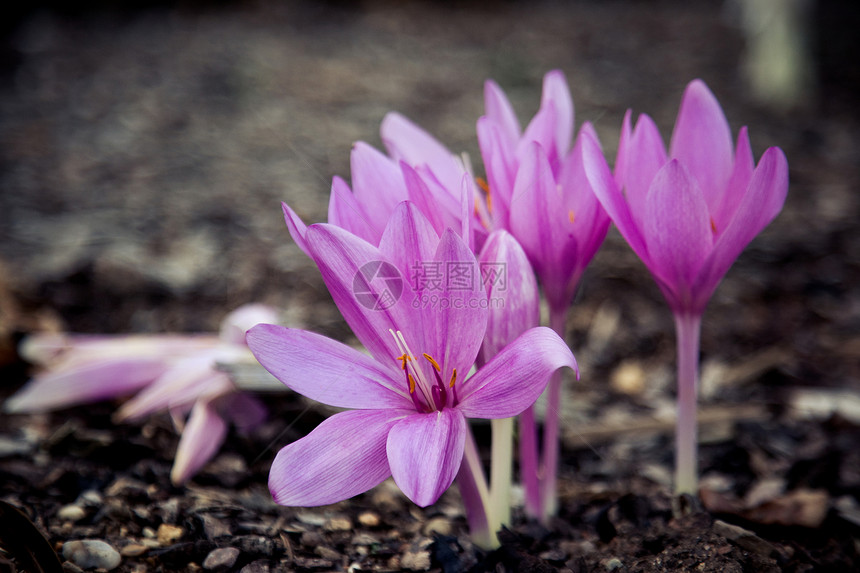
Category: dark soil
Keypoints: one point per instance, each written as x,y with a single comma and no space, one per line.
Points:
143,156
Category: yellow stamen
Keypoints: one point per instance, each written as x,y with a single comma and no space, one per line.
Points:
571,215
453,378
713,226
404,359
482,183
411,383
433,362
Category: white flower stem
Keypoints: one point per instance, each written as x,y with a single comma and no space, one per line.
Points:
501,471
476,497
687,331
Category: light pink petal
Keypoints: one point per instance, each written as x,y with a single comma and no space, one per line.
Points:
235,324
364,286
425,451
541,130
326,370
377,183
202,437
500,165
512,291
646,156
343,457
702,141
85,383
623,154
421,195
555,91
296,227
737,185
345,211
759,206
499,109
407,142
516,376
677,227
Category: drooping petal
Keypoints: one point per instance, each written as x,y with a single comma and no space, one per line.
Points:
512,291
296,227
424,453
702,141
345,211
364,285
499,109
677,227
555,91
343,457
760,205
202,437
516,376
326,370
85,383
461,319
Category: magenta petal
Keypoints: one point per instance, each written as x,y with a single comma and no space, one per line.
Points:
511,283
243,410
500,111
326,370
646,156
677,228
702,141
556,92
424,453
407,142
345,211
296,227
202,437
737,185
513,379
344,456
761,203
369,302
377,183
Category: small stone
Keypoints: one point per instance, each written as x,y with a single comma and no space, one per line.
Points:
327,553
364,539
312,538
438,525
215,527
255,544
91,554
259,566
368,519
612,564
338,524
168,534
628,378
311,518
221,558
133,550
415,560
72,513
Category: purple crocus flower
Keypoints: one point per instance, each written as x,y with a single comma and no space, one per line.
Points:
176,373
411,396
688,214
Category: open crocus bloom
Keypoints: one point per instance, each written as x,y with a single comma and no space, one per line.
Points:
177,373
411,396
537,187
688,214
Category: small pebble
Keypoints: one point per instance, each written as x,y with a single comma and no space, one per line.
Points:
72,513
133,550
612,564
368,519
259,566
338,524
221,558
311,518
415,561
438,525
91,554
327,553
168,534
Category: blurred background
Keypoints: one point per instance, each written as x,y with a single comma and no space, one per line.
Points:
145,148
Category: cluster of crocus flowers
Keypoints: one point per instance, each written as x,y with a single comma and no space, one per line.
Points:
410,398
176,373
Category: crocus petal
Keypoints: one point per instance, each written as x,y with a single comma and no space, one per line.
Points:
424,453
760,205
500,165
235,324
296,227
370,305
203,435
541,130
241,409
702,141
499,109
344,456
376,182
555,91
510,280
407,142
326,370
461,321
516,376
737,185
677,227
85,383
344,211
646,156
422,196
